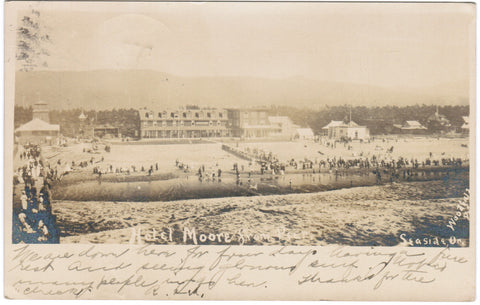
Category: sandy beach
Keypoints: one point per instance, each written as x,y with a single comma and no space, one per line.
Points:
375,215
212,156
172,207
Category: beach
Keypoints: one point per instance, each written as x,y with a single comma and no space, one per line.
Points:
362,216
173,204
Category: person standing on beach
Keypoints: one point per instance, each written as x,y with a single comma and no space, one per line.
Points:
379,176
24,199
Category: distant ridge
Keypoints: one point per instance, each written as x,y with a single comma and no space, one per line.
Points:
107,89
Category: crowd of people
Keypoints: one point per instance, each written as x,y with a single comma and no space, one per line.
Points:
264,162
270,164
267,163
127,170
33,221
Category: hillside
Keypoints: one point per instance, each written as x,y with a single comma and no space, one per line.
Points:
109,89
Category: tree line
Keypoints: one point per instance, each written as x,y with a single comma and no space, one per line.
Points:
379,120
126,120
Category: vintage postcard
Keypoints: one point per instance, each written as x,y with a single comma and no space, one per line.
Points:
240,150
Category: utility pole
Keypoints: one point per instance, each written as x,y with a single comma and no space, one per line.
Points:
350,113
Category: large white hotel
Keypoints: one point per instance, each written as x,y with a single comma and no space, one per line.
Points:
186,122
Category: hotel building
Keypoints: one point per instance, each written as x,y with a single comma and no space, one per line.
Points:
185,122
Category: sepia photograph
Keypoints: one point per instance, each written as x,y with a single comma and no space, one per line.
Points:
242,124
291,134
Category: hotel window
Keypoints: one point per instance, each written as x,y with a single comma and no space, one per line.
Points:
159,115
184,114
220,114
196,115
172,114
209,115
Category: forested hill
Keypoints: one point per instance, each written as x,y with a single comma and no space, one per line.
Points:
108,89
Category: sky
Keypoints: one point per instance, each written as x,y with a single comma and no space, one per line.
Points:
391,45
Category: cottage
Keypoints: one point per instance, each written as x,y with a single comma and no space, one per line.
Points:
438,122
341,130
304,134
326,129
106,131
411,127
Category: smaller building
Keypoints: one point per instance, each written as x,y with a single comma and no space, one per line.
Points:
37,131
106,131
440,118
282,127
411,127
438,122
304,134
82,117
340,130
327,128
466,125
